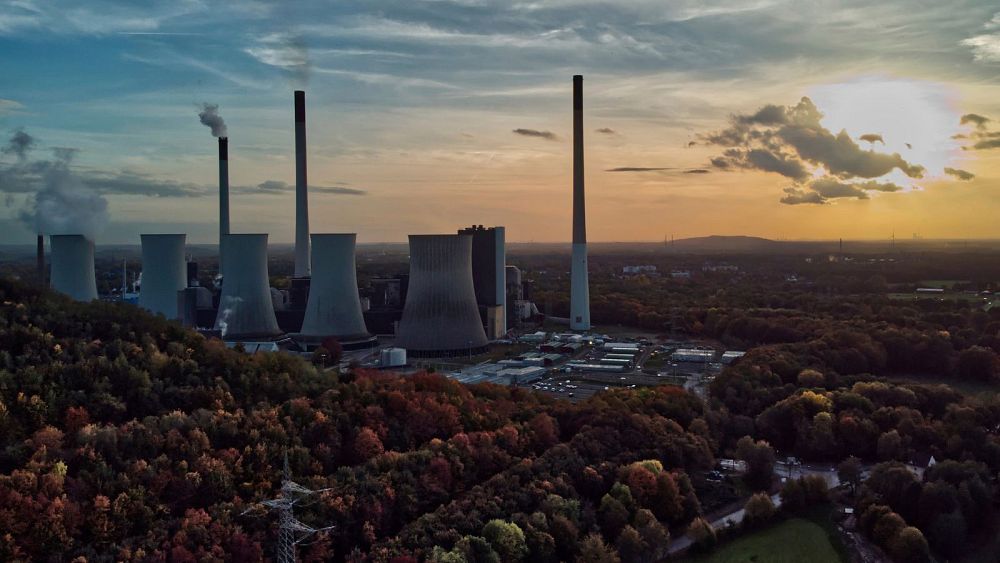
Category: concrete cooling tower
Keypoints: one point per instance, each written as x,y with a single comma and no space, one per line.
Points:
73,266
164,273
334,308
440,317
245,308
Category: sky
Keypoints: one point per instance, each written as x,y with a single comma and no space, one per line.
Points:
799,119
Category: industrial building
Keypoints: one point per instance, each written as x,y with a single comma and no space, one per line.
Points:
164,273
489,277
73,266
441,317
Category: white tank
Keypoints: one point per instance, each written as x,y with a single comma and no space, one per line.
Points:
73,266
392,357
245,308
334,308
441,317
163,273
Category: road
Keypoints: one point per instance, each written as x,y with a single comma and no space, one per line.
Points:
781,470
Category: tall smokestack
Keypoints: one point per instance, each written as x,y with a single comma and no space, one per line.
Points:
301,189
223,192
579,285
40,259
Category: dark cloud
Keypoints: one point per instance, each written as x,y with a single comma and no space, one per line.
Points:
638,169
792,142
606,131
959,173
209,116
768,115
822,190
697,171
796,196
979,121
19,144
547,135
137,183
277,187
987,144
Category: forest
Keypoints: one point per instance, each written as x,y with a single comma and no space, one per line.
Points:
127,438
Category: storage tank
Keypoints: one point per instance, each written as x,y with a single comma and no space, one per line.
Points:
334,307
164,273
73,266
245,308
440,317
392,357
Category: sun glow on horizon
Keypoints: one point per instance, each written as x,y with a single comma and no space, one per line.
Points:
915,118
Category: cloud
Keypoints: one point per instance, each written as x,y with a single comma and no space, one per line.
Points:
959,173
792,142
547,135
985,48
19,144
638,169
9,106
796,196
697,171
287,51
277,187
822,190
606,131
979,121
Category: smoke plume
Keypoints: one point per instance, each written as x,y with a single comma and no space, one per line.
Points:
63,203
209,116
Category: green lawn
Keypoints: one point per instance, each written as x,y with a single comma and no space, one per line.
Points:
792,541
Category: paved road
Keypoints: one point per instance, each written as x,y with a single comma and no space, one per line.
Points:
827,472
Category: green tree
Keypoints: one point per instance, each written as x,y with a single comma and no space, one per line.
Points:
909,546
849,471
507,539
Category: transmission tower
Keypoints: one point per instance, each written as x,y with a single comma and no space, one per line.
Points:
291,532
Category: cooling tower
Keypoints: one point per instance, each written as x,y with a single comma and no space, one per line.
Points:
245,308
301,189
579,300
440,317
73,266
334,308
164,273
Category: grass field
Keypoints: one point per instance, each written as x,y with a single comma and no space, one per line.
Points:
792,541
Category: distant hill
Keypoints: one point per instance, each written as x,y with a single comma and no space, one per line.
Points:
721,243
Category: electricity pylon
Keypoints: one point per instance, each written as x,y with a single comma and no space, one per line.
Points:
291,532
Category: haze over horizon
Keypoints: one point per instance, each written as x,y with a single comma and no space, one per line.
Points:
798,122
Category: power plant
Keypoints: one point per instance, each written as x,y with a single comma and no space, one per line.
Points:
334,307
455,299
441,317
73,266
579,300
164,273
245,308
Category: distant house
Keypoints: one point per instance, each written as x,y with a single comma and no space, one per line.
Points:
921,462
